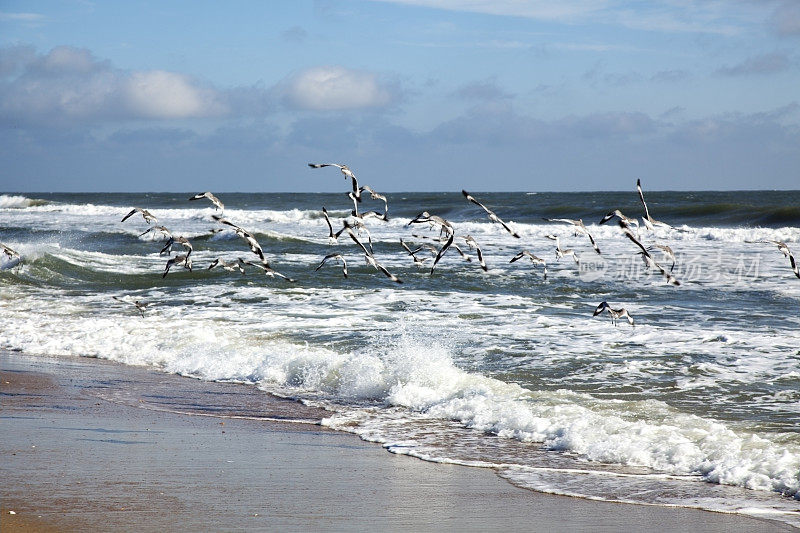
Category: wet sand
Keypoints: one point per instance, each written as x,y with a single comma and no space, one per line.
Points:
94,445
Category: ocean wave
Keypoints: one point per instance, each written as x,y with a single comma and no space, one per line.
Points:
19,202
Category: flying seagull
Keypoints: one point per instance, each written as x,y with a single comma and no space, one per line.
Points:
492,216
146,215
244,234
178,260
332,237
214,199
263,265
12,254
183,241
649,221
369,257
164,231
472,243
579,228
141,306
616,314
786,253
617,213
535,260
375,196
339,257
646,257
230,267
560,252
666,251
413,252
347,174
444,228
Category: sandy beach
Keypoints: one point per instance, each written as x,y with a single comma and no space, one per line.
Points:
94,445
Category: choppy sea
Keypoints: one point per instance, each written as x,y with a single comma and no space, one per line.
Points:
697,404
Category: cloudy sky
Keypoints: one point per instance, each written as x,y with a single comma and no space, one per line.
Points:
414,95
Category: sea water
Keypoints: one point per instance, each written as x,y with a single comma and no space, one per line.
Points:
697,404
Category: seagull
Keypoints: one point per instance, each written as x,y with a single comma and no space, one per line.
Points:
338,257
141,306
12,254
347,174
649,221
667,251
472,243
263,265
244,234
374,196
646,257
371,214
230,267
164,231
413,253
182,260
146,215
492,216
561,252
332,237
369,257
617,213
433,221
535,260
616,314
183,241
579,228
786,253
214,199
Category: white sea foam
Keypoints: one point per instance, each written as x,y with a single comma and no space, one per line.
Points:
431,367
11,201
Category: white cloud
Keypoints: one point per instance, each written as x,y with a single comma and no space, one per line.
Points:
161,94
69,84
330,88
21,17
691,16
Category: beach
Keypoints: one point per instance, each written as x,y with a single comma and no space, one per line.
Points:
96,445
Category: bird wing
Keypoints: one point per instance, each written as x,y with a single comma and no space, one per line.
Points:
641,197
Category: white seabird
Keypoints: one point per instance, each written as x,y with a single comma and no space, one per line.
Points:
560,252
472,243
784,249
371,258
616,314
146,215
492,216
535,260
339,257
646,257
178,260
163,230
617,213
214,199
183,241
579,226
649,221
141,306
268,270
230,267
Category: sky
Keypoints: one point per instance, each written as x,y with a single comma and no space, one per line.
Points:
413,95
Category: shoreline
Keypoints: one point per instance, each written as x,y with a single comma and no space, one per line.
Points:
96,444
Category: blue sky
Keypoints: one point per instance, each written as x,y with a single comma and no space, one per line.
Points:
428,95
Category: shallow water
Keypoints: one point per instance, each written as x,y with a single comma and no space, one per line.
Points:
698,404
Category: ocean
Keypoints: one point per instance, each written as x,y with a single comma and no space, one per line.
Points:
697,404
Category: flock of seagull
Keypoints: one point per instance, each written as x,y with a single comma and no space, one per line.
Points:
355,227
